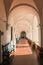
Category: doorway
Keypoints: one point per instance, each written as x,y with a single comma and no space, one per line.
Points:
23,34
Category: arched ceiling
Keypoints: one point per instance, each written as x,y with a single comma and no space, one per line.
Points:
2,11
23,18
21,26
23,13
9,4
16,2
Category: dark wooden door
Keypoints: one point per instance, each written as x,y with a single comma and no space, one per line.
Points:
11,33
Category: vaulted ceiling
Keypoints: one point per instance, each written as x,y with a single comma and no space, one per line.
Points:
8,4
23,14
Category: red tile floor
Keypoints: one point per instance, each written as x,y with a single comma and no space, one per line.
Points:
23,54
22,48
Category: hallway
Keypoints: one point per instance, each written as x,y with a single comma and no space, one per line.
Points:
24,54
21,19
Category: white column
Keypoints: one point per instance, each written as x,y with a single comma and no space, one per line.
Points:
31,32
14,40
36,34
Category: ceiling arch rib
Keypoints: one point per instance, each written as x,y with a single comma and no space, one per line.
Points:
21,26
26,8
25,20
23,4
23,12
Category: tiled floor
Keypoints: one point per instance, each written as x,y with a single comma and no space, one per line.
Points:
24,54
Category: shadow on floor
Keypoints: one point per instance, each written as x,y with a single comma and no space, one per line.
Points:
24,60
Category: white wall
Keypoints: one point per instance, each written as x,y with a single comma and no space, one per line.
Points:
11,24
36,31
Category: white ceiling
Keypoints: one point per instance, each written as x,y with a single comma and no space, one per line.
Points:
22,13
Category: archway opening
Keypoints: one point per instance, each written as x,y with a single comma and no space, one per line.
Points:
23,35
27,19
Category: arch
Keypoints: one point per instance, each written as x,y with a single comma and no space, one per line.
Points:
15,8
34,12
23,34
21,26
23,4
26,20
